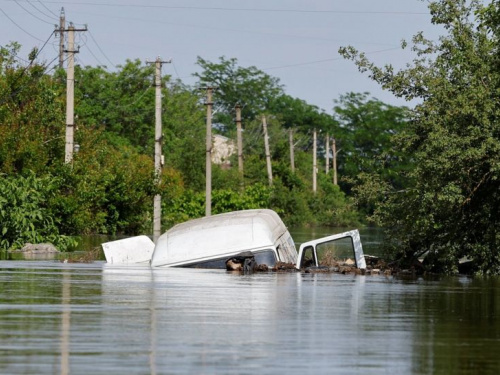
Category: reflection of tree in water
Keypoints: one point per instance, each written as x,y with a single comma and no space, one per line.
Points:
457,330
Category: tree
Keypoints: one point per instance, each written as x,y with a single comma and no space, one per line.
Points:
122,101
451,210
184,129
250,87
297,113
31,114
367,127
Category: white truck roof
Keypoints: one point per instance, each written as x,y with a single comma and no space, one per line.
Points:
221,235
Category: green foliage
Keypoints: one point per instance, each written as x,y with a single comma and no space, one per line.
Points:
122,101
107,189
26,214
292,204
184,135
297,113
31,114
450,208
366,136
250,87
192,205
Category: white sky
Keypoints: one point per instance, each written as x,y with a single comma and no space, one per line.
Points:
294,40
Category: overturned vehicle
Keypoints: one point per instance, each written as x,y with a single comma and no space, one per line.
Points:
219,241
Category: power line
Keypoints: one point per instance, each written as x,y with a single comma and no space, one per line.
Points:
175,70
266,10
34,15
100,49
50,63
136,100
252,32
26,68
325,60
95,57
11,20
46,70
44,44
38,1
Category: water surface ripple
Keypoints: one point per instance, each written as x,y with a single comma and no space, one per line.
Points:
58,318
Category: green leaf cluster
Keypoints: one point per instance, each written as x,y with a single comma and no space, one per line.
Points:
26,213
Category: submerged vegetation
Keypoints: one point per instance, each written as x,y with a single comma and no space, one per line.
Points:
430,175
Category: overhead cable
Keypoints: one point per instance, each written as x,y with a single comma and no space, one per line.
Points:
30,13
14,22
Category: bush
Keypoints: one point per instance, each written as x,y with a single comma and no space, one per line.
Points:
25,212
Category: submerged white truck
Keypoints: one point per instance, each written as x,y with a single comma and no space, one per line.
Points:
210,241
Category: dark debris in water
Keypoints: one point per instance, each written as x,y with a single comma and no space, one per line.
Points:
89,256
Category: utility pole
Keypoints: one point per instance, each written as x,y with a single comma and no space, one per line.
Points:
315,167
158,147
239,139
62,27
70,92
268,154
292,155
334,152
208,191
327,153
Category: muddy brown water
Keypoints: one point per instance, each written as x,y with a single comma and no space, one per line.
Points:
71,318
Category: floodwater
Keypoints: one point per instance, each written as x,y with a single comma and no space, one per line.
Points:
75,318
69,318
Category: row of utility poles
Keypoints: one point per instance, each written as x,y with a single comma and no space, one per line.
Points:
209,147
239,140
158,156
292,154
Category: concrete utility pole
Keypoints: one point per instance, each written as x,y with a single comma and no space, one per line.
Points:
292,155
62,27
208,192
158,147
268,154
70,92
327,153
70,95
334,152
239,138
315,166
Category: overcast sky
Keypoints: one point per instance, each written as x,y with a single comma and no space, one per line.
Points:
294,40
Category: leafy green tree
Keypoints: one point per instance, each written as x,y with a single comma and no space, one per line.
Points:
297,113
365,138
450,209
122,101
110,189
31,114
250,87
184,135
